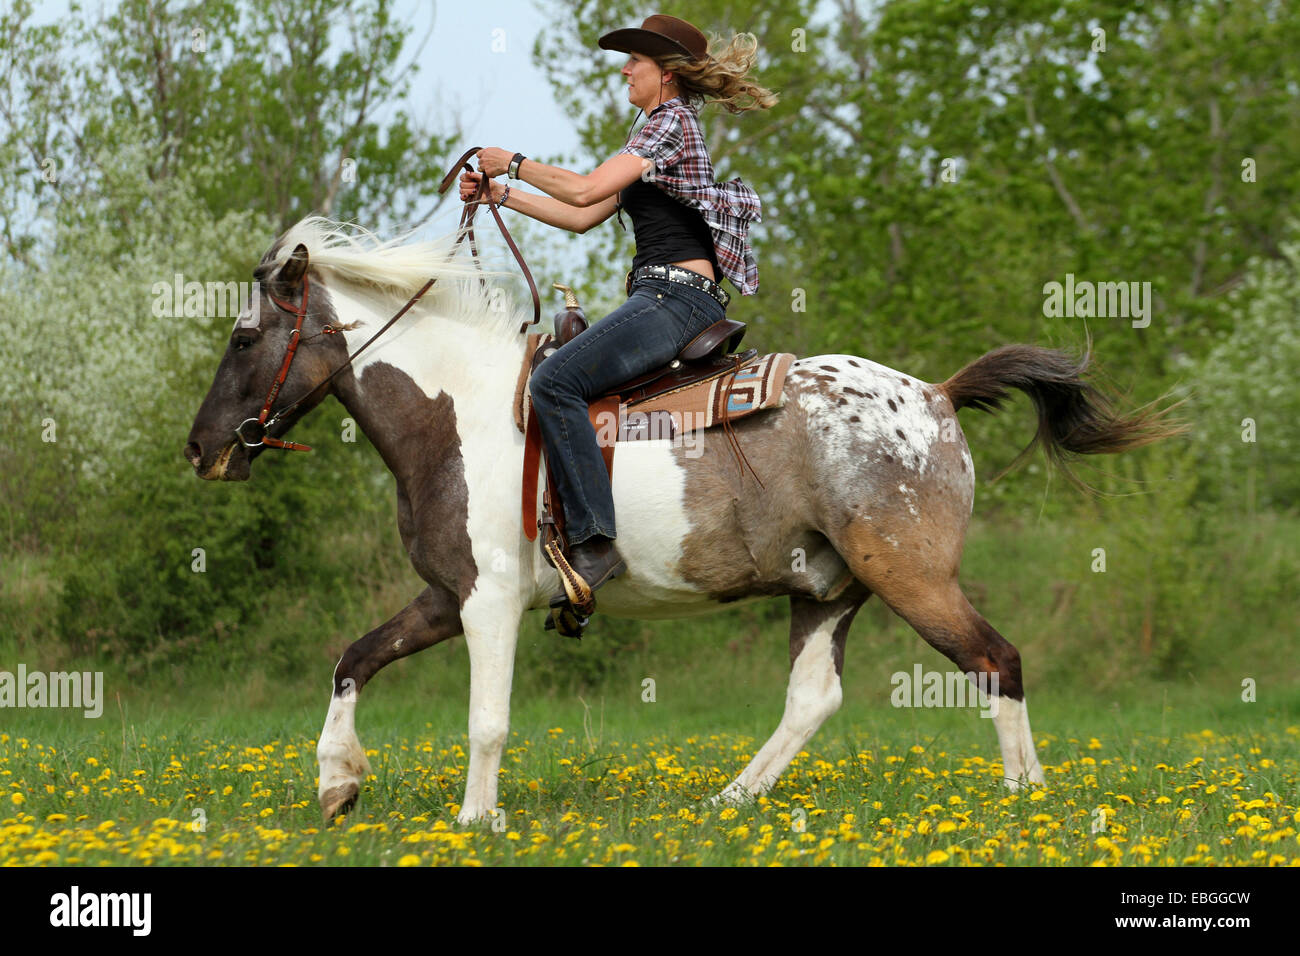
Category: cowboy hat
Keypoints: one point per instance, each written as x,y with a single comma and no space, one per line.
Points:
659,35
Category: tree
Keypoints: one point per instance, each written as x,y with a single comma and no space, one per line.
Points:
307,120
932,166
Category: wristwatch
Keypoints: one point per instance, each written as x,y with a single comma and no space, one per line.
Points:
513,170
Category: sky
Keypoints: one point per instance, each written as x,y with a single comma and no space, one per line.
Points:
477,65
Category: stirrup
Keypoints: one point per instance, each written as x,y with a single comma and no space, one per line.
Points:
577,590
565,620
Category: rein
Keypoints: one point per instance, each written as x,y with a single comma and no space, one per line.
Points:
265,420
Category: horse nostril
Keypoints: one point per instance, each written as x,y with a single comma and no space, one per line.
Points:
193,453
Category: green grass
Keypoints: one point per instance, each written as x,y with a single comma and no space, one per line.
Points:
1148,659
614,779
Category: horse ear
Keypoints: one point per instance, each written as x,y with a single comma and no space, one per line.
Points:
295,268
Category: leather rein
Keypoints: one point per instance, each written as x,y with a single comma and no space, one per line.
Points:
265,420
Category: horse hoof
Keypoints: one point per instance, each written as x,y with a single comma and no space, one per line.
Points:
1031,779
732,796
337,801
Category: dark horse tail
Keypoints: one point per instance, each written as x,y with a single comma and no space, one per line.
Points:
1074,416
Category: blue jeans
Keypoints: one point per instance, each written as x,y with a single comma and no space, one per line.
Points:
644,333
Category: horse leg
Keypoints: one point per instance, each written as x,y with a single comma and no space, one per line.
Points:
921,587
430,618
817,634
951,626
491,632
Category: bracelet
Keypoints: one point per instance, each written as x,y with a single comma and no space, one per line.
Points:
513,170
504,196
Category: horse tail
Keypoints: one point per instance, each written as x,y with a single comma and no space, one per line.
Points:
1075,417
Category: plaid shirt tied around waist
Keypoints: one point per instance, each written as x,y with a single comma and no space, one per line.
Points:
672,140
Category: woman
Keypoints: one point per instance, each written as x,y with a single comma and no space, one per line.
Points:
690,232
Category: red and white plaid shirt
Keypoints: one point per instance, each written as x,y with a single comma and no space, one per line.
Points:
672,140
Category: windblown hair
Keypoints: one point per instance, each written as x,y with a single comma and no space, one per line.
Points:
720,78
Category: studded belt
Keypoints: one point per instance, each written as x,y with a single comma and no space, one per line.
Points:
684,276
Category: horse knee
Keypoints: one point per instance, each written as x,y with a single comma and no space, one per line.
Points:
807,710
488,734
824,706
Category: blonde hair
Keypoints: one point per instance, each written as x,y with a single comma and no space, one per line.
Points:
720,77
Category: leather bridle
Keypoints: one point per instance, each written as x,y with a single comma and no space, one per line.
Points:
265,419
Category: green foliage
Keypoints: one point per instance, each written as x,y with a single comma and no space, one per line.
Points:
103,491
1245,392
1123,164
103,373
288,93
932,165
173,569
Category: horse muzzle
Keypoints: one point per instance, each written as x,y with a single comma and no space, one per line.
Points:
226,465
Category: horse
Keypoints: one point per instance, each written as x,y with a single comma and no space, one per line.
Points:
867,488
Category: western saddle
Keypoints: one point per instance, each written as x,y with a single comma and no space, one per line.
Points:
711,354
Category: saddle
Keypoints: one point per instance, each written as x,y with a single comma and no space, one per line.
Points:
702,356
707,382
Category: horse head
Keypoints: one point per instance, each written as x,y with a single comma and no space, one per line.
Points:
265,382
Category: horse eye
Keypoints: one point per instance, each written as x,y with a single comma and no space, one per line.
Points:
243,341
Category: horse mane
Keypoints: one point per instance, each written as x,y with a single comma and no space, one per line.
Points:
395,269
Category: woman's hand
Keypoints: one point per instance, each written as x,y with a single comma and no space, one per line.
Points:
469,186
494,161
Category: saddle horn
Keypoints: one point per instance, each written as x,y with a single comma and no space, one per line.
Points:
571,320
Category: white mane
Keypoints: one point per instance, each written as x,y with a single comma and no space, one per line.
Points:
397,268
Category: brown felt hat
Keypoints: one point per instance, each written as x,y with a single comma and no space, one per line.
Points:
659,35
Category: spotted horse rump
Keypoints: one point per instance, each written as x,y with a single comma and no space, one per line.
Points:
865,474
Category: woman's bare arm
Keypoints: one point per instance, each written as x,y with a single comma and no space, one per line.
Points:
577,189
545,209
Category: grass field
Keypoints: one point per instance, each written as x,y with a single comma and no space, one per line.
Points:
212,777
1134,680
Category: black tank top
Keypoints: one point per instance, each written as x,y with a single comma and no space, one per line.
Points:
666,230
